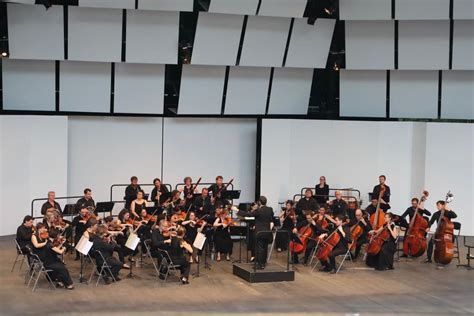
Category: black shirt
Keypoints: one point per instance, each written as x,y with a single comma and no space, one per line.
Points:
206,205
436,215
84,203
322,194
317,230
48,205
80,226
305,204
163,189
338,207
131,194
411,211
386,195
23,235
263,217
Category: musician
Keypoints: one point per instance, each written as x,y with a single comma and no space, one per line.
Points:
118,234
193,226
372,207
440,205
216,189
48,254
202,204
102,242
341,247
288,221
86,201
311,244
172,203
384,202
131,191
384,259
308,203
138,204
158,191
410,212
322,191
222,240
79,225
338,205
366,227
23,234
352,207
51,204
91,228
263,222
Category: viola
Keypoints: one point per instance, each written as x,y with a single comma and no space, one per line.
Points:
304,233
414,243
328,245
444,247
377,218
228,221
59,240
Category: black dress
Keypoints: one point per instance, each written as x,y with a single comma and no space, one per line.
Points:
52,262
384,259
222,241
322,194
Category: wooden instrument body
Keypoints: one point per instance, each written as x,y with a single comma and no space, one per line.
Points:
377,219
328,245
444,246
304,233
376,243
414,243
356,232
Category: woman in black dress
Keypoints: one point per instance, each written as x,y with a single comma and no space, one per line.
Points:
288,222
222,240
322,191
384,259
48,254
138,204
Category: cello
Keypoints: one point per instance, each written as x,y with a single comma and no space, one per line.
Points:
377,241
414,243
444,247
328,245
377,218
304,233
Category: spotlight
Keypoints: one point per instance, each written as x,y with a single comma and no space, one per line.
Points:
4,54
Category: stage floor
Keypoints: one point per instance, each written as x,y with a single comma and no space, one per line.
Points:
413,288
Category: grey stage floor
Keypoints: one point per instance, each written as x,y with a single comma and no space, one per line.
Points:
413,288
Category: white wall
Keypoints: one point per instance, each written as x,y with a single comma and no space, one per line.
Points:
209,147
33,161
353,154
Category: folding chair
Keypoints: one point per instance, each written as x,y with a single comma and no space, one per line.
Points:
346,255
20,257
104,268
167,265
37,269
147,243
457,227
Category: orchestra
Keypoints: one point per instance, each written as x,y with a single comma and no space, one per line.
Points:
313,229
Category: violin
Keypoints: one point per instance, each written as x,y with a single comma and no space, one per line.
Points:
44,235
58,241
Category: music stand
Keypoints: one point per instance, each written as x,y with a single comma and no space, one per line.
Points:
230,194
151,209
104,207
164,196
70,210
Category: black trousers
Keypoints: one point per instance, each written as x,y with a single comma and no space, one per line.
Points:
261,251
184,266
332,257
60,273
429,251
114,265
309,248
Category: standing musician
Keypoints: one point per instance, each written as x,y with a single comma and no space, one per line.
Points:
384,202
384,259
440,205
188,191
193,225
317,230
322,191
173,201
263,222
308,203
222,240
79,225
341,247
338,205
288,221
131,191
202,204
216,189
48,247
24,232
364,223
86,201
50,203
102,242
158,191
138,204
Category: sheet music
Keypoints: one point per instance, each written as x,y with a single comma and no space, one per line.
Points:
84,245
132,241
199,241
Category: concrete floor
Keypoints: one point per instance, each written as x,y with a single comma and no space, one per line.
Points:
413,288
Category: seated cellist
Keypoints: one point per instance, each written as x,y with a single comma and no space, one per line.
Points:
362,238
341,247
310,223
384,259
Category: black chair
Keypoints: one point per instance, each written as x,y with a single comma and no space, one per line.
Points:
469,256
456,233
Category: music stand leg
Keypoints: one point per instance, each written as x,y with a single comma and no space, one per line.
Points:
81,273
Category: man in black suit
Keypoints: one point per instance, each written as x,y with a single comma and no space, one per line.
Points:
263,222
384,202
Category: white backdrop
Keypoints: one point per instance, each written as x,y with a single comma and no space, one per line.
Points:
353,154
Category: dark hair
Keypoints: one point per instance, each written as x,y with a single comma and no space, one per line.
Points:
53,233
91,222
383,176
219,177
40,225
389,214
27,218
187,178
308,190
133,178
122,213
204,189
341,217
262,200
156,179
415,199
441,202
86,190
142,192
173,193
108,219
306,213
291,202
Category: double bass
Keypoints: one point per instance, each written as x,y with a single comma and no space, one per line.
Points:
444,247
377,218
414,243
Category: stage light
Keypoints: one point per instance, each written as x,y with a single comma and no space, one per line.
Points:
335,67
4,54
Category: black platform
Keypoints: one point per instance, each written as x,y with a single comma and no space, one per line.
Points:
273,272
